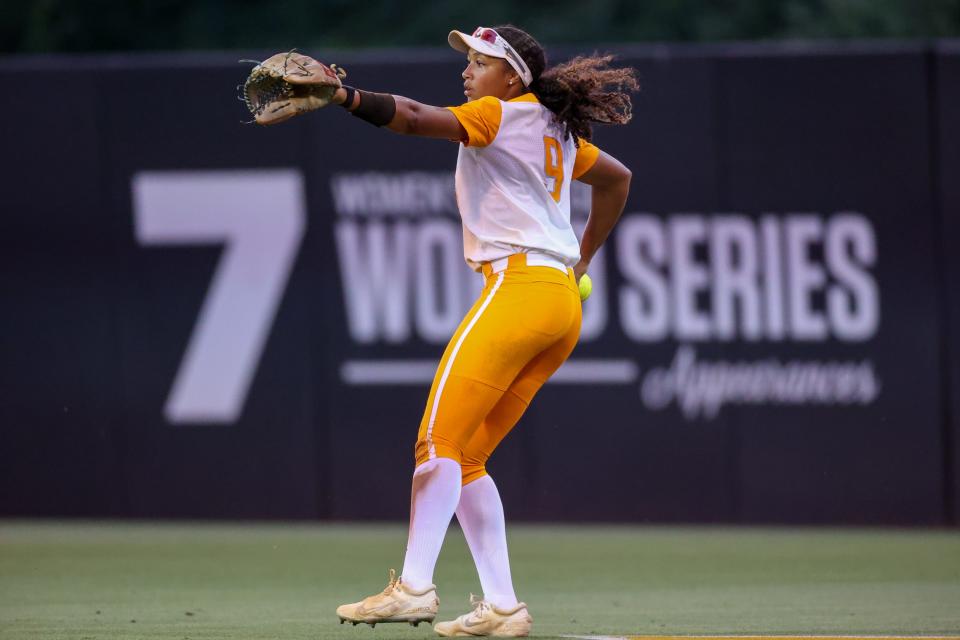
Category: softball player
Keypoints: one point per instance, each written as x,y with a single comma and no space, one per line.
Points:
523,136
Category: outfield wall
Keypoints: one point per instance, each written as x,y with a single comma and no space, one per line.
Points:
948,185
772,337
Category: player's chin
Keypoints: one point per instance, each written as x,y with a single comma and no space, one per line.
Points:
474,93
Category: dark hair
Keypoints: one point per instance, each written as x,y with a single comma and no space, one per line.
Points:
579,92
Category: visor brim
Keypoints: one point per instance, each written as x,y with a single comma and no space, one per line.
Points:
463,43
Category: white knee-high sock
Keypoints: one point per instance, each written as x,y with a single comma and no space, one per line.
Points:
433,499
480,513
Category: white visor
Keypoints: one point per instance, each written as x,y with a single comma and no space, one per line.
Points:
499,49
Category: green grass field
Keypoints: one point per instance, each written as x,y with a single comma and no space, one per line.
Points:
284,581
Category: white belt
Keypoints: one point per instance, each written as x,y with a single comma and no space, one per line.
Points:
533,260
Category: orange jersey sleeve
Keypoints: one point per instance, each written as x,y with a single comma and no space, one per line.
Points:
587,155
481,120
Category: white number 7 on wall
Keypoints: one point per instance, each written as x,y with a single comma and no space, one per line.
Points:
259,217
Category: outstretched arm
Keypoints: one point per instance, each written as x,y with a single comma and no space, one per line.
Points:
414,118
611,185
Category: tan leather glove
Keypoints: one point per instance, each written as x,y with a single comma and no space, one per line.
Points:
288,84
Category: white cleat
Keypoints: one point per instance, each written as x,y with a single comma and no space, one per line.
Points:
488,620
396,603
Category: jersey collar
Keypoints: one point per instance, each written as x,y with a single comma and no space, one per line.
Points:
524,97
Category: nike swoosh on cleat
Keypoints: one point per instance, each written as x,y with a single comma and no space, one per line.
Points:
380,610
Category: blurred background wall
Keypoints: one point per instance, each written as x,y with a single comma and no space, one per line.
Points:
150,25
203,318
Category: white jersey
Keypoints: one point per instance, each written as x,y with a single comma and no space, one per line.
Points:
513,180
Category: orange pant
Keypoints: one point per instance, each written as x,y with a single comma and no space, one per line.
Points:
521,329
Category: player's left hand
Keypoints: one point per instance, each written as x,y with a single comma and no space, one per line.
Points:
288,84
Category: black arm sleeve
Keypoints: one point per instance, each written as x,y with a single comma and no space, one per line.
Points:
376,108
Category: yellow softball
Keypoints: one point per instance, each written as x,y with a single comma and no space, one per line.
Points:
586,287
